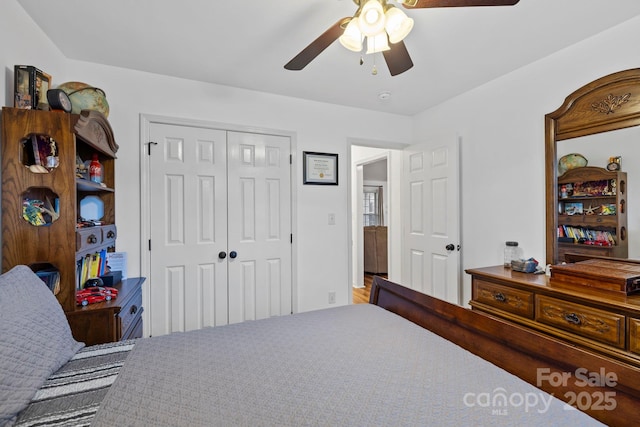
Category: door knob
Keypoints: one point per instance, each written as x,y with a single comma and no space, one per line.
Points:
233,254
450,247
222,255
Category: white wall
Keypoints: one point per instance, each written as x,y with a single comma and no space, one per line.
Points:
322,250
502,150
501,124
23,43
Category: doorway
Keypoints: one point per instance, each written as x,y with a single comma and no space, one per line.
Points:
379,170
423,214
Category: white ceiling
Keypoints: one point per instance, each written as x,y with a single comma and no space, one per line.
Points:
246,43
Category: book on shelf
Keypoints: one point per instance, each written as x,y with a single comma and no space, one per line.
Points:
39,148
94,264
90,266
36,149
566,233
51,277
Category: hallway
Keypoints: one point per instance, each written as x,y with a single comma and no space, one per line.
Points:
361,295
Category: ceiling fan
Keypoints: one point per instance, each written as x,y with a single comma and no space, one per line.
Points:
383,27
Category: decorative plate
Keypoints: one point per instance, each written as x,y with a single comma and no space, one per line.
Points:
91,208
571,161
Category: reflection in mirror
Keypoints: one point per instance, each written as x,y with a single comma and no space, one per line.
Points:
598,148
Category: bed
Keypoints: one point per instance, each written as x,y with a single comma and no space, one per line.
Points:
418,361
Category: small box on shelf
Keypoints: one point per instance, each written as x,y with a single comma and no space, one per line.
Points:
111,278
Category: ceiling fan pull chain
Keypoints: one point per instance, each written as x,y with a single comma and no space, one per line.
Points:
374,70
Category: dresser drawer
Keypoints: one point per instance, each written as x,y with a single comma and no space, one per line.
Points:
588,322
130,312
88,238
634,335
109,234
135,331
514,301
95,237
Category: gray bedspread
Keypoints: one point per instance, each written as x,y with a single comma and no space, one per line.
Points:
355,365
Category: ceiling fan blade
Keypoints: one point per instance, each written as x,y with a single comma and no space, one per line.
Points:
397,58
316,47
421,4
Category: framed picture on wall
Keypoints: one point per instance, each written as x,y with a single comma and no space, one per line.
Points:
320,168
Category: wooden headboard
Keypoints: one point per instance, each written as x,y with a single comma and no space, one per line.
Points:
520,351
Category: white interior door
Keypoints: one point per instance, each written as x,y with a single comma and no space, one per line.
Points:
259,226
188,180
431,261
214,192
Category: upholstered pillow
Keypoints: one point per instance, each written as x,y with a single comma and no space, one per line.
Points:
35,339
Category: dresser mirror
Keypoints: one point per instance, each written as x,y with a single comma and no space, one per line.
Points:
598,121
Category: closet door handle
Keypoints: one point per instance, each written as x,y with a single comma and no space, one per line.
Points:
233,254
222,254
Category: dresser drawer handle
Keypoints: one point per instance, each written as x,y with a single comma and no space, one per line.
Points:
499,296
92,239
572,318
133,309
110,234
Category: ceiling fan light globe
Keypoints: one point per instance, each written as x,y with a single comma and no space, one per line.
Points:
352,38
398,25
371,19
378,43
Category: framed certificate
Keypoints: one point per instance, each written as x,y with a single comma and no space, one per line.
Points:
320,168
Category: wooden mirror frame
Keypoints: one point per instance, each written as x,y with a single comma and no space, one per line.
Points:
608,103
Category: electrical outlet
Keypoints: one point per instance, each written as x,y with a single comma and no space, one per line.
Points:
332,297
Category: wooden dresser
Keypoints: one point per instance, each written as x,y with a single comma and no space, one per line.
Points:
109,321
603,321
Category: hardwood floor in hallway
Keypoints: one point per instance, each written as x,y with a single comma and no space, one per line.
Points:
361,295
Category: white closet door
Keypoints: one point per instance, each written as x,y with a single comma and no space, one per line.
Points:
259,226
188,179
203,213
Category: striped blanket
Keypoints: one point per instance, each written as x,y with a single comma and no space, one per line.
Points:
72,395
